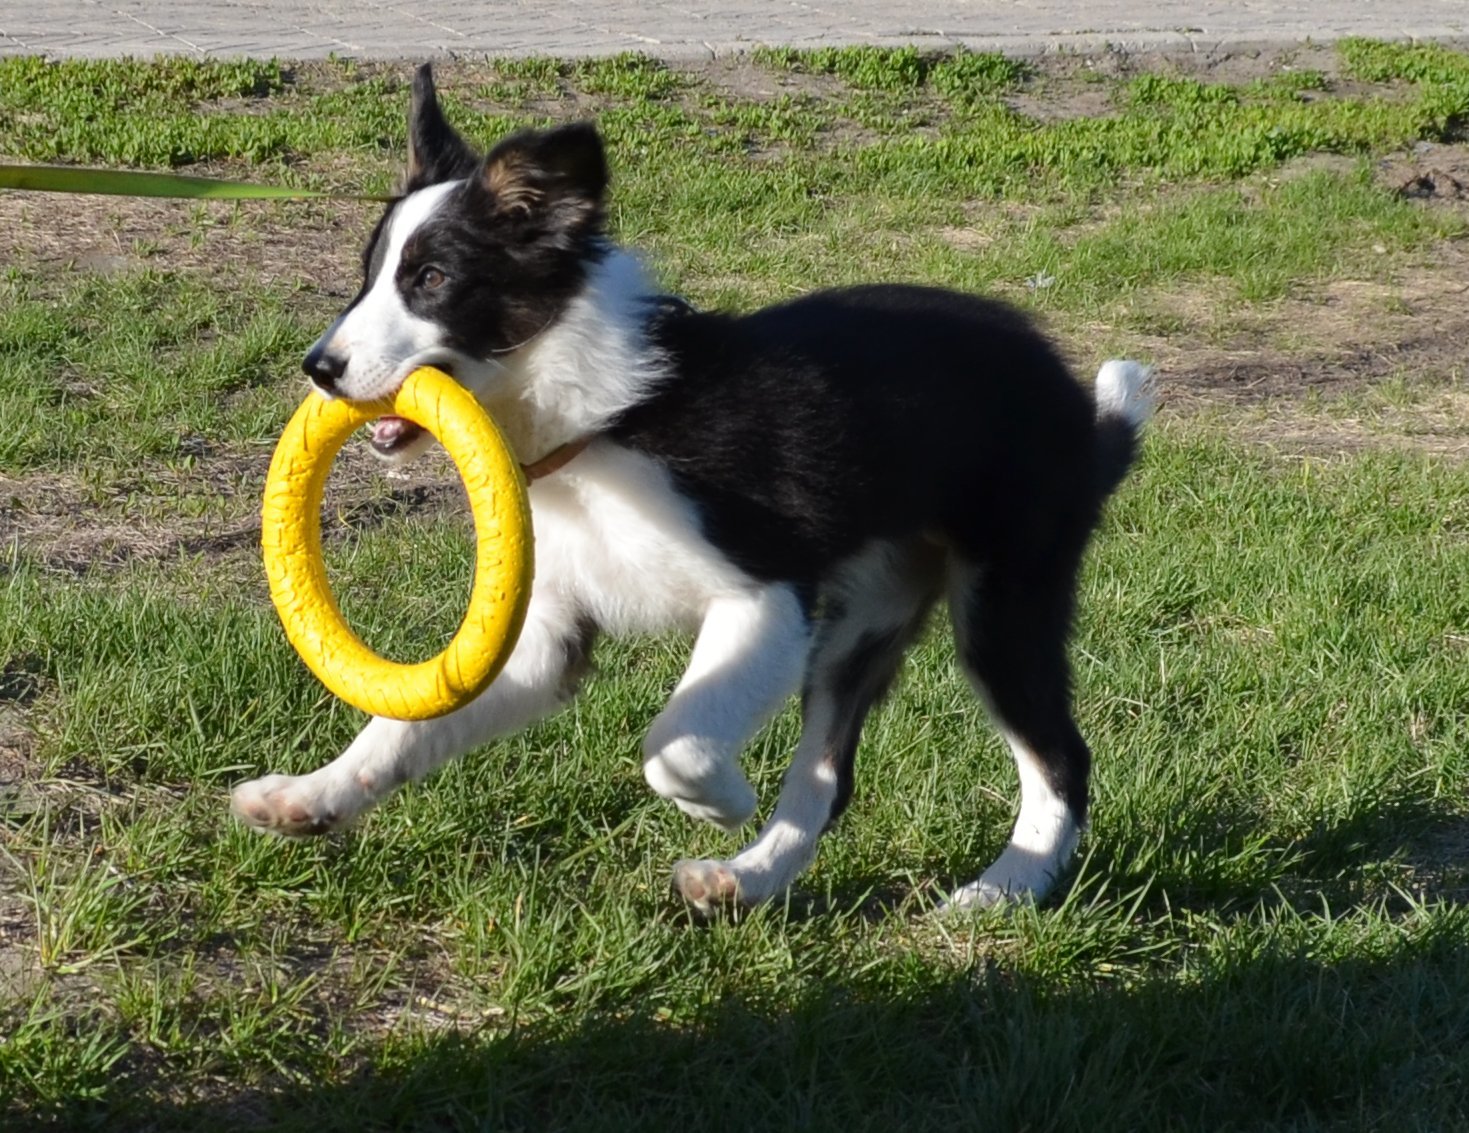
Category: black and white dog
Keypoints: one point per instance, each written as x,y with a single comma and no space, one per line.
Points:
800,484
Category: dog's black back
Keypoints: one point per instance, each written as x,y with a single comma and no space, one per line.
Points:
806,429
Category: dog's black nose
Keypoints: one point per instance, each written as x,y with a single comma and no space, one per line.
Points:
324,369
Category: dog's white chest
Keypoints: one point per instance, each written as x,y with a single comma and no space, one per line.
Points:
612,533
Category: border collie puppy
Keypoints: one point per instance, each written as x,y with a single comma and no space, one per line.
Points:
799,486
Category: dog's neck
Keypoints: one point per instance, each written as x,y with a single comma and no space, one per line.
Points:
592,364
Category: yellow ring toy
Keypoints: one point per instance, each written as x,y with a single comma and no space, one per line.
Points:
291,540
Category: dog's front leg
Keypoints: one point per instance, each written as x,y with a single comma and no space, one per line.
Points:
540,676
747,661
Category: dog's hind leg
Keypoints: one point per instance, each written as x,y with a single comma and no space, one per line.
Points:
1011,628
872,615
542,673
746,663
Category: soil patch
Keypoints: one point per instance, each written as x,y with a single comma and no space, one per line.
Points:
1431,173
1340,366
1266,375
59,522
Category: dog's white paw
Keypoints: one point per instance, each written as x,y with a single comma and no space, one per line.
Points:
728,817
710,790
1018,877
295,806
709,888
983,894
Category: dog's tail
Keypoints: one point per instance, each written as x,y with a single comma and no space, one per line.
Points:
1125,398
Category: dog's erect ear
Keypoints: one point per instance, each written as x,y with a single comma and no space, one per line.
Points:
557,176
436,153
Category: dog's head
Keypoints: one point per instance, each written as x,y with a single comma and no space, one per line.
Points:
478,257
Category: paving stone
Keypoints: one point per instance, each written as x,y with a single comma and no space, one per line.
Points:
680,29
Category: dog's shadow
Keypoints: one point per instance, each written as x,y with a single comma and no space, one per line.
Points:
1279,1033
1260,1035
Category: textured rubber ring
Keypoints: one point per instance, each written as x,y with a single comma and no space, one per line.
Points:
291,541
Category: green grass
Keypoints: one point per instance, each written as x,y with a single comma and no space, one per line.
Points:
111,349
1264,670
1267,927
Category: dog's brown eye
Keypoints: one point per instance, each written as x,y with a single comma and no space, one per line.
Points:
432,278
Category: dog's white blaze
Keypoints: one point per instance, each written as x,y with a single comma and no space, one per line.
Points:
380,338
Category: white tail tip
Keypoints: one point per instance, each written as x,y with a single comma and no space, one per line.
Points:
1125,389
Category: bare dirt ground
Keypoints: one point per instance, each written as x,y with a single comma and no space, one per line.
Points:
1343,366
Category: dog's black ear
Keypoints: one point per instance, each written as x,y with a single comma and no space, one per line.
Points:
556,176
436,153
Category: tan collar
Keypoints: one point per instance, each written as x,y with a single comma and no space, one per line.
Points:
555,460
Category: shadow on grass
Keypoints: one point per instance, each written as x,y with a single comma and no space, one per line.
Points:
1276,1038
1222,863
1289,1025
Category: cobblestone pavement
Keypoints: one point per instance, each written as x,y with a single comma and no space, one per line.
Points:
686,29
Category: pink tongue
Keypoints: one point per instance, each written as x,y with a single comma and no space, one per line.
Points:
388,430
